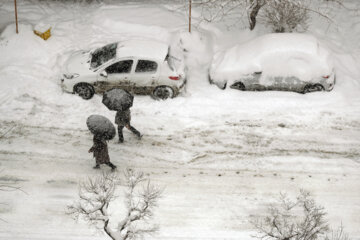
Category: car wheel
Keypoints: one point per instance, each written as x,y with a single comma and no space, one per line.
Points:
84,90
313,88
163,92
238,86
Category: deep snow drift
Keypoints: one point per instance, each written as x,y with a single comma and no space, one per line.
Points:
221,155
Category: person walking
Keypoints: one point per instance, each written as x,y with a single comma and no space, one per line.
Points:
100,152
122,119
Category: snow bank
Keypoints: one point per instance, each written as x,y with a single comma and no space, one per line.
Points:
23,47
196,50
23,67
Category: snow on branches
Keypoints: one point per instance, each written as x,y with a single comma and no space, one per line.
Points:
96,194
286,15
301,219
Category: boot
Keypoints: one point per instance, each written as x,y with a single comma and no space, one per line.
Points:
113,167
136,132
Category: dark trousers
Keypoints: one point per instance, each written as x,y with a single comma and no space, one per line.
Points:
108,163
111,165
131,128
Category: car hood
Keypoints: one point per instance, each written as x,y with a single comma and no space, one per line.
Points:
79,62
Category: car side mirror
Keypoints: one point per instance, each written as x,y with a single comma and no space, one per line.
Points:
103,74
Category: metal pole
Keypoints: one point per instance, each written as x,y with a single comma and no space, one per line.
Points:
16,18
189,16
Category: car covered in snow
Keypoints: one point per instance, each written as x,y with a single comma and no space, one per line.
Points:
279,61
138,66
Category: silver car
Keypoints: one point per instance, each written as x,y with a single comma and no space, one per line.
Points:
281,61
283,83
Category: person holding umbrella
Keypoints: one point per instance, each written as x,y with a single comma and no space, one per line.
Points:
103,130
120,101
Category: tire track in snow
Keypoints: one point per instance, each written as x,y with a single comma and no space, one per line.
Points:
240,142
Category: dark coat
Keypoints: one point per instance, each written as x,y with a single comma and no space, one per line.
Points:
100,151
123,118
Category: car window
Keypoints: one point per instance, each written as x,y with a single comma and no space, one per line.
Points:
146,66
120,67
102,55
173,62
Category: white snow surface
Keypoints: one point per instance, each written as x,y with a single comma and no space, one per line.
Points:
221,156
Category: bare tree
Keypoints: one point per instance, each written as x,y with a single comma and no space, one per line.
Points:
254,7
96,194
16,18
286,15
281,15
301,219
216,10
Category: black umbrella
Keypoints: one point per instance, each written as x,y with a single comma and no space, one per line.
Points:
101,126
117,99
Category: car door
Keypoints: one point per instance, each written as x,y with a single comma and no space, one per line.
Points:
286,83
117,75
145,76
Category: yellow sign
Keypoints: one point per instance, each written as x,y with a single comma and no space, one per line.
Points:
44,35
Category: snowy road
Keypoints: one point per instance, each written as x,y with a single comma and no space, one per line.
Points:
214,178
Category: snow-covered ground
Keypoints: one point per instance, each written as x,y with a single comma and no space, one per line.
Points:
221,155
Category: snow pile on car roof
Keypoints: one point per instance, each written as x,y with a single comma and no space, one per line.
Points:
116,23
285,54
148,49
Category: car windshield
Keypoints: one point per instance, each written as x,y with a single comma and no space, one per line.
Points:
102,55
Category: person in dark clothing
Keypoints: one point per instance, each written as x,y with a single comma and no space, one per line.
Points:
100,151
122,119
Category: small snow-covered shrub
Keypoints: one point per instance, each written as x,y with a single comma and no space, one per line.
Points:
97,193
300,219
286,15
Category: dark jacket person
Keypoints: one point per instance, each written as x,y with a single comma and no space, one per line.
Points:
122,119
100,152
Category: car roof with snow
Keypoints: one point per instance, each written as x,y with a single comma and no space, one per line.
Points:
142,49
284,54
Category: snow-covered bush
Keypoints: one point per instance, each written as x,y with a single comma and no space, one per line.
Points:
286,15
301,219
97,193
